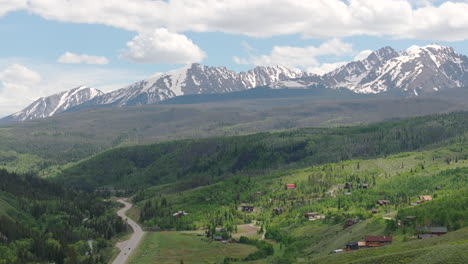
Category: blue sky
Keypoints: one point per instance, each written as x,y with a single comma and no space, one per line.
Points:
55,45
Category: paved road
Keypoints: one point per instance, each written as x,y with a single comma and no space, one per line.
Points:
127,247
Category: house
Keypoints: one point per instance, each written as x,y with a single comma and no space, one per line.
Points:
217,238
438,230
338,251
383,202
375,210
179,214
247,208
348,185
378,241
426,236
361,244
278,211
352,246
425,197
349,223
290,186
365,186
312,216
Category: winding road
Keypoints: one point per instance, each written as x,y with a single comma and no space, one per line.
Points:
127,247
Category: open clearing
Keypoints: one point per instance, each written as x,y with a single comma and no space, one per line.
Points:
172,247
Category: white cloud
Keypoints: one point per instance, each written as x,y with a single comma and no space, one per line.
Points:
304,58
16,86
362,55
325,67
315,19
11,5
162,46
20,86
73,58
19,75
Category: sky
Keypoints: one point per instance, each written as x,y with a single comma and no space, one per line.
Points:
49,46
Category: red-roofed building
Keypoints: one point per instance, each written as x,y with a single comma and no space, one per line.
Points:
290,186
378,241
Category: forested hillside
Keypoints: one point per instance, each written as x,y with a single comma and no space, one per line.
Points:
401,179
200,162
41,146
42,222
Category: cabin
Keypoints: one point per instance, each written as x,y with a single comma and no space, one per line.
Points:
349,223
179,214
375,210
361,244
348,185
352,246
312,216
290,186
365,186
426,236
437,230
278,211
217,238
378,241
338,251
383,202
425,198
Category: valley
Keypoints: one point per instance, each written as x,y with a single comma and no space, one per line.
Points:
234,132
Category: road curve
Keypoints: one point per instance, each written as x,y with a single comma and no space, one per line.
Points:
130,245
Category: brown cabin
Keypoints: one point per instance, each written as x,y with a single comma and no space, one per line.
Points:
349,223
383,202
290,186
378,241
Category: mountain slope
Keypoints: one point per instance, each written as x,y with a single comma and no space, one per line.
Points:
193,79
411,72
55,104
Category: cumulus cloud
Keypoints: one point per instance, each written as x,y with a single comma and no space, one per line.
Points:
20,85
16,86
304,58
362,55
11,5
325,67
69,57
18,75
162,46
314,19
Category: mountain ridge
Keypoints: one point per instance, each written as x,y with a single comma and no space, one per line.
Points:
411,72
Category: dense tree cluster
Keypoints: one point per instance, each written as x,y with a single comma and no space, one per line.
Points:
42,222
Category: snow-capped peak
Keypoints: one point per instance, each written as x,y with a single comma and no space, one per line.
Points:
57,103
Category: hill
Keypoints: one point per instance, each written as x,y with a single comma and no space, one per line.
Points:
205,161
42,144
42,222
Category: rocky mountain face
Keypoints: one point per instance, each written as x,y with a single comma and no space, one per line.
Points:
55,104
410,72
194,79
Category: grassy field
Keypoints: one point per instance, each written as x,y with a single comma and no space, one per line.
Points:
174,247
450,248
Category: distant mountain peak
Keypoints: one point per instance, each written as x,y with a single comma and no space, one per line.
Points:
56,103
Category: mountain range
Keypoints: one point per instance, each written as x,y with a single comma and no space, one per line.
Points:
412,72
